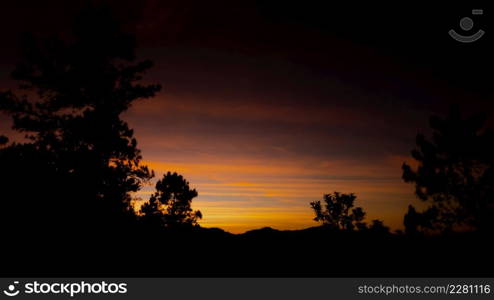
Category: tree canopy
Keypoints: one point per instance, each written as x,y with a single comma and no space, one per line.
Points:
455,173
79,163
337,211
171,205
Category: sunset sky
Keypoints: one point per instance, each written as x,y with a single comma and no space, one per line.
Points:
265,109
259,149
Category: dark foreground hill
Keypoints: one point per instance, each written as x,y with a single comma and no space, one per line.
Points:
316,251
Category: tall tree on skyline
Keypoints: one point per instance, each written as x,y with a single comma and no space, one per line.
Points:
455,173
80,162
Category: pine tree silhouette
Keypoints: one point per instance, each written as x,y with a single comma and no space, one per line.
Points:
71,183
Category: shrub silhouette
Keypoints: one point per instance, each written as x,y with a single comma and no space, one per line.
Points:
377,226
455,174
3,140
417,223
170,205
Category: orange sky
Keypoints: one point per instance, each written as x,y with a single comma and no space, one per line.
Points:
249,178
243,195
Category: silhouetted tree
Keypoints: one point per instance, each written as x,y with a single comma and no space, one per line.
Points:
337,212
455,173
171,204
3,140
377,226
417,223
80,163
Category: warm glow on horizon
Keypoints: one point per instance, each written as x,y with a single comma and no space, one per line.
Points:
241,196
259,153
